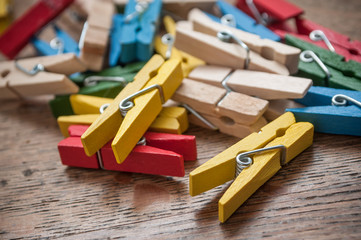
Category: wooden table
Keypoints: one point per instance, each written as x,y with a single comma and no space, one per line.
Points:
317,195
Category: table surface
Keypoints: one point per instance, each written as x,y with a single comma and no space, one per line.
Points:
317,195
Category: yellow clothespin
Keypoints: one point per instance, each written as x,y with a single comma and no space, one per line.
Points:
88,108
40,75
164,46
94,38
223,45
154,84
291,139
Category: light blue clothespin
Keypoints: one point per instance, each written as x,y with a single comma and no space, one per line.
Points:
137,33
331,110
62,43
244,22
115,36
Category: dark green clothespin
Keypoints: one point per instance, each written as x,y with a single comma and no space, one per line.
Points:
338,73
101,84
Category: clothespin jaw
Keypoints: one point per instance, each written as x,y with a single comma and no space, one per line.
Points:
62,43
246,23
138,30
188,61
103,129
40,75
19,33
334,111
295,137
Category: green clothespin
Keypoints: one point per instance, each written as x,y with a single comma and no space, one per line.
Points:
93,84
341,74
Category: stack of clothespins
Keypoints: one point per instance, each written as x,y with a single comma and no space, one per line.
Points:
224,69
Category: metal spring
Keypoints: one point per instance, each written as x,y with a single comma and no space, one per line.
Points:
309,56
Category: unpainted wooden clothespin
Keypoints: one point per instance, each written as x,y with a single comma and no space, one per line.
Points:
271,50
223,97
335,111
94,40
155,83
164,46
283,138
326,68
205,40
19,33
38,76
159,154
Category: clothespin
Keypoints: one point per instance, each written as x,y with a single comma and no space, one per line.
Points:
164,46
106,83
245,22
94,40
279,52
37,76
207,46
268,12
62,43
330,110
19,33
166,77
282,134
326,68
161,154
223,96
138,30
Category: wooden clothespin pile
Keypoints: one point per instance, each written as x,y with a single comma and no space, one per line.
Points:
231,72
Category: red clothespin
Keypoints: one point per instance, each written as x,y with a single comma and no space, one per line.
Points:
276,10
20,32
163,154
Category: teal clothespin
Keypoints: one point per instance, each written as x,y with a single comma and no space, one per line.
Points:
335,111
245,22
336,74
138,30
108,88
62,43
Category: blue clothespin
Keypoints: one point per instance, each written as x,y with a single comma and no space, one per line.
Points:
62,43
331,114
138,30
115,36
245,22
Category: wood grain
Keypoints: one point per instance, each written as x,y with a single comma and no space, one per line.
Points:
317,195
